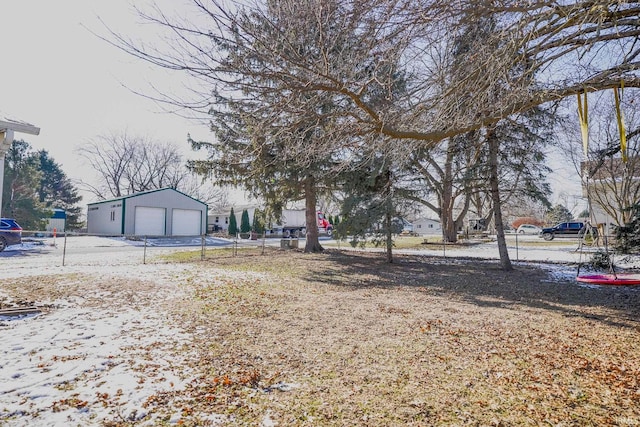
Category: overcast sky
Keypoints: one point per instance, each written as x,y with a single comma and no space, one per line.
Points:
57,75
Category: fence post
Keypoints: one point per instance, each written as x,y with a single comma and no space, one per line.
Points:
144,256
64,248
203,246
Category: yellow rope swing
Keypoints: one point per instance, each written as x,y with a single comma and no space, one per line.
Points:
617,94
583,110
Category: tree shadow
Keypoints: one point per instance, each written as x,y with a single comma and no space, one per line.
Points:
482,283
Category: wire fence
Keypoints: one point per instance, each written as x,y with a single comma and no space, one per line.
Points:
81,248
78,246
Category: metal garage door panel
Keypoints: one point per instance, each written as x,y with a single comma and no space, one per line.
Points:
149,221
186,222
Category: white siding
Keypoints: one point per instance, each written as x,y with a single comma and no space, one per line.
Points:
105,218
57,223
425,226
120,216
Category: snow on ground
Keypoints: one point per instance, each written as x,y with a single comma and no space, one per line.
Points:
89,358
71,348
80,364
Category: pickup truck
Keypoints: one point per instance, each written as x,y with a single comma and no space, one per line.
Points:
563,229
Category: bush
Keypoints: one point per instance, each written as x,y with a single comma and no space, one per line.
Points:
600,260
233,224
245,226
628,235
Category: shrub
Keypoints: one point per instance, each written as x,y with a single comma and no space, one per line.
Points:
233,224
245,226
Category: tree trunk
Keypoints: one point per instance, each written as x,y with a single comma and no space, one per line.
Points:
389,237
494,146
449,229
311,215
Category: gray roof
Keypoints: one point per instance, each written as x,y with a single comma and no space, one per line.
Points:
128,196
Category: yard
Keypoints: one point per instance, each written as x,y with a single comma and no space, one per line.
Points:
340,338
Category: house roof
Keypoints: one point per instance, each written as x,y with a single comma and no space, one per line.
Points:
17,125
128,196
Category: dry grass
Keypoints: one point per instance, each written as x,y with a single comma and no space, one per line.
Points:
419,342
435,242
344,339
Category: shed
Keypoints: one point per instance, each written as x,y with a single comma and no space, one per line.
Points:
58,221
163,212
425,226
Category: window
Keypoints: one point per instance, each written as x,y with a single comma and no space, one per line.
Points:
113,215
217,219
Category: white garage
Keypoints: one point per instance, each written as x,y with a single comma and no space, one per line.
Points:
149,221
164,212
186,222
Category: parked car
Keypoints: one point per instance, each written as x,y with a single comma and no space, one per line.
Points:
562,229
529,229
10,233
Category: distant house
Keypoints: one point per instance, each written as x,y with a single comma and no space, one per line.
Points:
427,226
219,219
163,212
611,186
58,221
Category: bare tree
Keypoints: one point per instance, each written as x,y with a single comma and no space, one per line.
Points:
568,48
206,190
127,164
110,156
613,184
279,141
537,51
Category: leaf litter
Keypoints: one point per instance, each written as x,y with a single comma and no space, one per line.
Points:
331,339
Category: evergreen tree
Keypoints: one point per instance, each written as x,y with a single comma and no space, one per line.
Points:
21,181
233,224
258,221
34,185
559,213
371,207
245,225
627,236
282,144
57,191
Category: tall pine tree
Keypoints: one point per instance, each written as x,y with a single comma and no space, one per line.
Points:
245,225
34,184
57,191
20,197
233,223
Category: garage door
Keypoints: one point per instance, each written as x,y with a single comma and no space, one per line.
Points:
149,221
186,222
